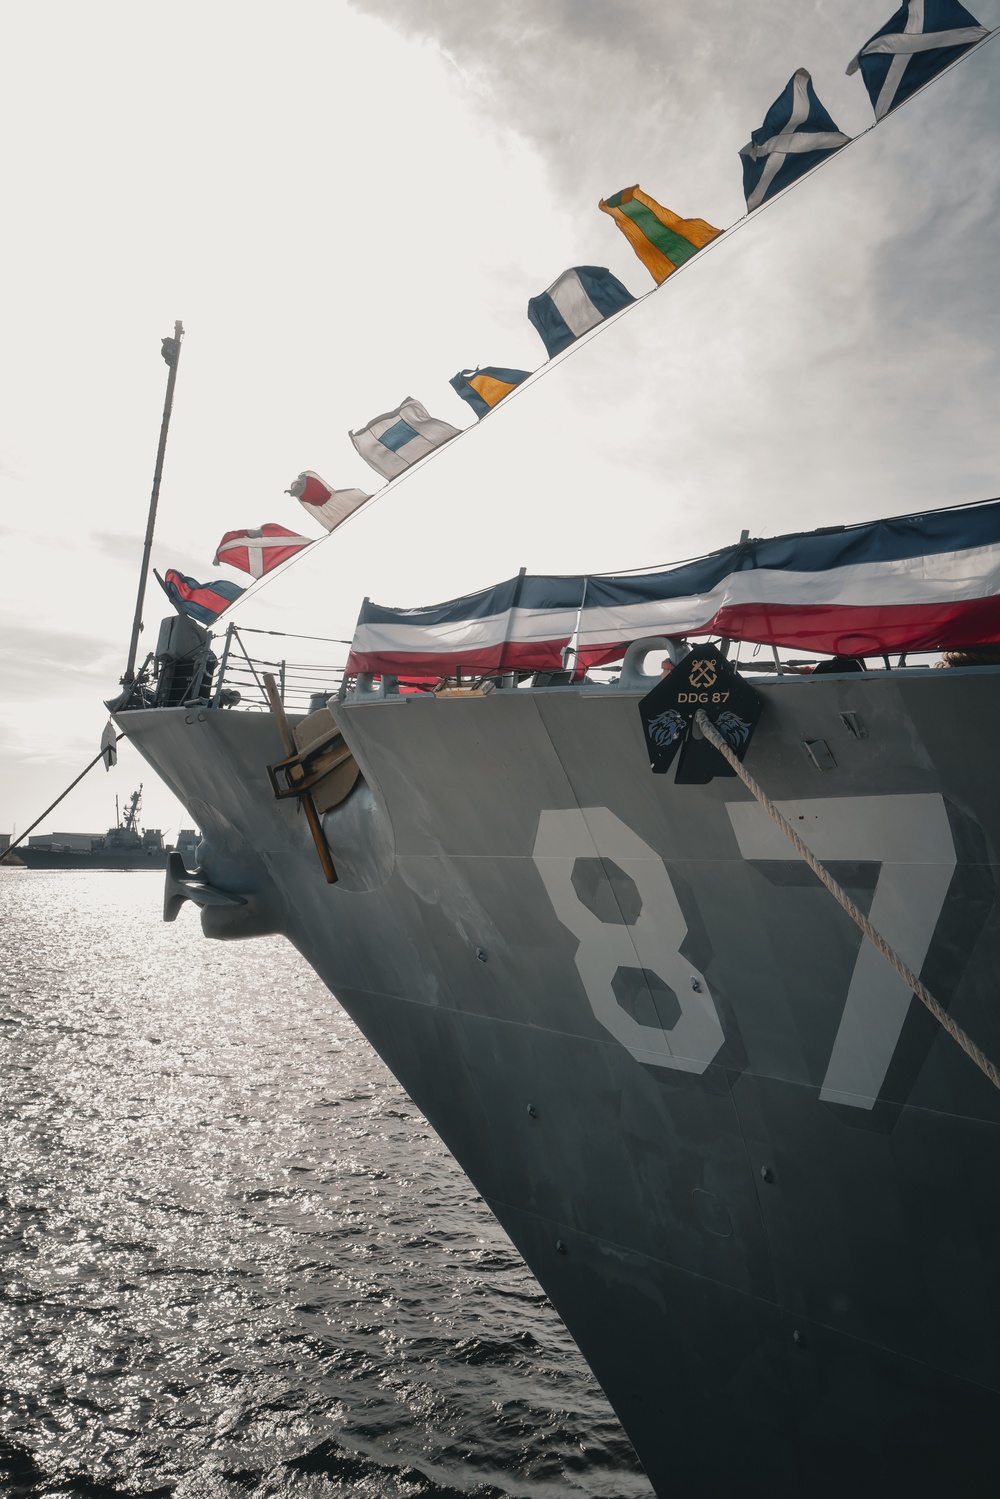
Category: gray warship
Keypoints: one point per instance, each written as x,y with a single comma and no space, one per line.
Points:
754,1177
127,845
753,1174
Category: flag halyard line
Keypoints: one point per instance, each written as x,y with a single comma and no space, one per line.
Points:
535,375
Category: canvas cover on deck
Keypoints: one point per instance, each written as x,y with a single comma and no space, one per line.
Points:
912,583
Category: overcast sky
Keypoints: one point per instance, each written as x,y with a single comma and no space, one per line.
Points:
347,203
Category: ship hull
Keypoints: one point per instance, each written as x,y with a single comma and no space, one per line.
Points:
756,1180
39,858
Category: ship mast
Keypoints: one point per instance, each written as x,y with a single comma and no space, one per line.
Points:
132,815
172,354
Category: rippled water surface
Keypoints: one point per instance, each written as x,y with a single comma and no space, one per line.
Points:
235,1259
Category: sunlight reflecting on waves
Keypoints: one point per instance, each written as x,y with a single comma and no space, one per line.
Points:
235,1258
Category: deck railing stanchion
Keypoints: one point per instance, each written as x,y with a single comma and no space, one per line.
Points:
223,664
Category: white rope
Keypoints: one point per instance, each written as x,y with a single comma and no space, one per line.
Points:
841,896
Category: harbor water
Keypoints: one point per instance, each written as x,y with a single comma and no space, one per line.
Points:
235,1259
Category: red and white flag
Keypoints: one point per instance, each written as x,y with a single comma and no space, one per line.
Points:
329,506
259,551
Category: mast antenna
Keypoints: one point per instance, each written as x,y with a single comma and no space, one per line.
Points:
171,353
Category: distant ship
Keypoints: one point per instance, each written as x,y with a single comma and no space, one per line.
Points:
125,846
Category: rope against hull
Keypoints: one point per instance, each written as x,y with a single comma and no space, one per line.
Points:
842,898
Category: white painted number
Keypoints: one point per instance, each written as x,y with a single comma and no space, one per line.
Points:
652,941
911,838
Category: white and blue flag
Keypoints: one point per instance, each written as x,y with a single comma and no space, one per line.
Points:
393,442
796,135
921,39
576,302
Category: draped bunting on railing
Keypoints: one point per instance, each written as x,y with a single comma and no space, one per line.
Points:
524,623
913,583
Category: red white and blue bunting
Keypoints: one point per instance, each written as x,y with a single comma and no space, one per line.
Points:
914,583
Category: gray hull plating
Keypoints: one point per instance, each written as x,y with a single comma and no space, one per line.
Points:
755,1179
40,858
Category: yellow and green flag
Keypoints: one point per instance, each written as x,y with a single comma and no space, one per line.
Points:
661,240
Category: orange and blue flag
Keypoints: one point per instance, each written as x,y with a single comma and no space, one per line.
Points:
486,387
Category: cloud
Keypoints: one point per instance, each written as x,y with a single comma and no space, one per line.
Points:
126,548
120,546
609,90
37,661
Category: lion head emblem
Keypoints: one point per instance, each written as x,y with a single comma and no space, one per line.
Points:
666,728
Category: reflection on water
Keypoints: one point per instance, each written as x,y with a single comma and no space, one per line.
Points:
235,1259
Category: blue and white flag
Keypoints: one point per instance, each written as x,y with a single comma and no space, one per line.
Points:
579,300
797,133
393,442
921,39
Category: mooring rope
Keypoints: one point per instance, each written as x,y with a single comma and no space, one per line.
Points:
842,898
53,805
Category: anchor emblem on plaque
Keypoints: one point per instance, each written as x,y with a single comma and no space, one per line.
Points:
703,680
703,673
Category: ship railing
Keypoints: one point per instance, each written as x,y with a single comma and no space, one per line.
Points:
310,680
302,684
